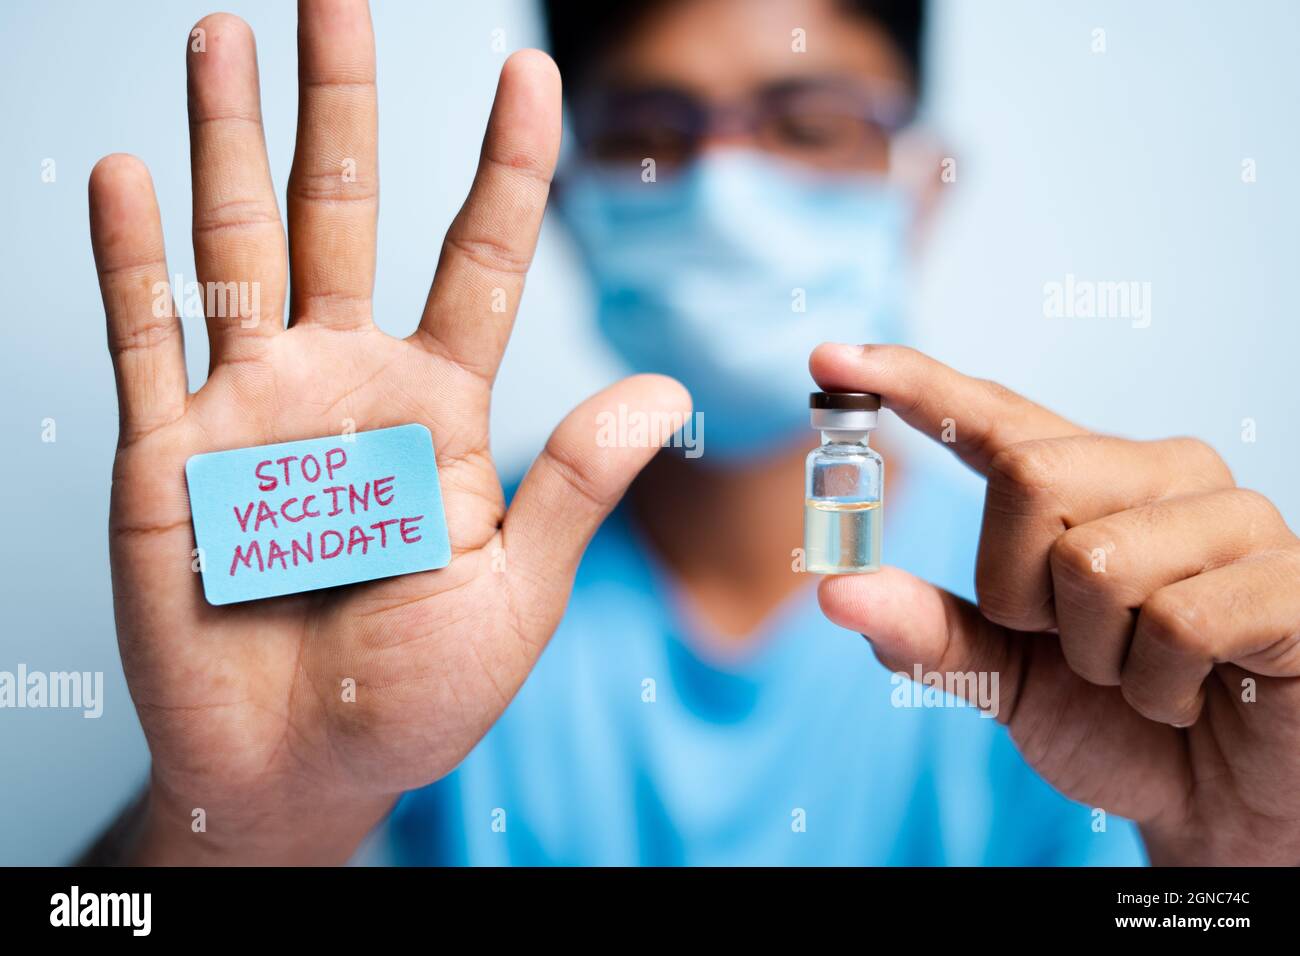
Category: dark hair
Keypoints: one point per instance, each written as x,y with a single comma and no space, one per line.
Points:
579,32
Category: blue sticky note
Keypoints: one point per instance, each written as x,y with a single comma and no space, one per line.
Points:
303,515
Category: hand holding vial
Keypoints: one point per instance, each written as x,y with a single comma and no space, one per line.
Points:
1123,678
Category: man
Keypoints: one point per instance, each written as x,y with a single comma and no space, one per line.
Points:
693,707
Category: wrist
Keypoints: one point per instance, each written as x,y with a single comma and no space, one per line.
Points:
324,830
1222,846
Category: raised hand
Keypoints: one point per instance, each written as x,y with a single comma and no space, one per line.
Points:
242,705
1141,611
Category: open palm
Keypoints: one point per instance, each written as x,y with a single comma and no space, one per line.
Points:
244,706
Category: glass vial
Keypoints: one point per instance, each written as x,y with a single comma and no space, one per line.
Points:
843,486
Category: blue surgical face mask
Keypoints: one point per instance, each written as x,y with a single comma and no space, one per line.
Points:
726,275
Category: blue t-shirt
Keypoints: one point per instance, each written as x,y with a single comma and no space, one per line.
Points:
632,743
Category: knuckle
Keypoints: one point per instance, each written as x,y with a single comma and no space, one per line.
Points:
490,254
999,604
1074,558
329,185
1200,458
1195,448
132,271
998,393
142,336
1154,705
336,308
576,476
238,214
1005,598
1174,625
1257,507
1027,469
520,162
1022,465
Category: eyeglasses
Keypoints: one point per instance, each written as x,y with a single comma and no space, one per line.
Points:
825,123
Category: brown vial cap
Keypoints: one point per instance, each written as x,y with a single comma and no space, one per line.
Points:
845,401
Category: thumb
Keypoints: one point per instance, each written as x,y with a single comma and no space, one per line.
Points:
911,624
590,459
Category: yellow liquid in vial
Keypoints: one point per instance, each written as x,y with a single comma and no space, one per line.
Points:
841,537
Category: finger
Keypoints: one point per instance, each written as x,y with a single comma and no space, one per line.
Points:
1246,613
911,623
144,334
334,184
577,480
1071,732
480,278
1103,571
1037,490
976,418
238,239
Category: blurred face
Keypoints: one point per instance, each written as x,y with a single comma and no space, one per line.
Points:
694,75
730,201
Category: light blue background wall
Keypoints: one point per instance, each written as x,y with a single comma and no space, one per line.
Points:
1124,165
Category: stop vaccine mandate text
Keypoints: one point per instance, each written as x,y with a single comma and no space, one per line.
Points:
299,516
